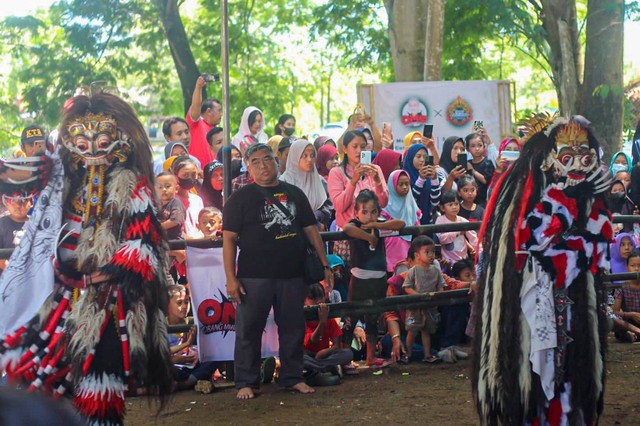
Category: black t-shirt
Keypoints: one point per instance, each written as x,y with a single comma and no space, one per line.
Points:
363,257
270,246
485,168
174,210
9,232
472,215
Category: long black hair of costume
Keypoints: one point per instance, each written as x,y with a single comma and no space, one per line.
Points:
510,193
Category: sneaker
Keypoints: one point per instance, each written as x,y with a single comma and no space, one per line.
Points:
404,359
448,355
460,354
432,360
267,369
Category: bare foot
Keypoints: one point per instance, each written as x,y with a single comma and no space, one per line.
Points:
245,393
302,387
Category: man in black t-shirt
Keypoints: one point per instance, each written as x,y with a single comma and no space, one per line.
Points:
269,269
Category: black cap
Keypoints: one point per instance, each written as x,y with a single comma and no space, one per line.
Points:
31,134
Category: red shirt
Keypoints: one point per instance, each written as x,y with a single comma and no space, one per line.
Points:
331,331
199,146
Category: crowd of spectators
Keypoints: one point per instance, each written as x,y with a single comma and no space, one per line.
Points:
368,200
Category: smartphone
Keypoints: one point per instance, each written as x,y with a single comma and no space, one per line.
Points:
427,131
386,128
429,160
365,157
510,155
477,125
462,160
209,78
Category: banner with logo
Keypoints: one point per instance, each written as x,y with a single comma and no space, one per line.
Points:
451,106
214,314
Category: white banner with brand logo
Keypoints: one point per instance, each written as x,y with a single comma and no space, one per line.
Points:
451,106
214,314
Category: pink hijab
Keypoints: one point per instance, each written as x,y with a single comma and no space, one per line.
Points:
325,153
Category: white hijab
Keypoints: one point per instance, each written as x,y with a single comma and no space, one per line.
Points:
244,130
309,182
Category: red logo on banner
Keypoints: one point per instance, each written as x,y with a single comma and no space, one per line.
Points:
414,113
217,316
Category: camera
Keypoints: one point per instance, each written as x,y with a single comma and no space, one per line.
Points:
209,78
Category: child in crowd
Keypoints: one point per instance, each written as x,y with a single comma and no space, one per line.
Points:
184,356
455,245
186,172
171,213
480,168
626,308
171,216
401,206
369,262
467,191
621,249
322,338
424,277
455,317
210,223
11,224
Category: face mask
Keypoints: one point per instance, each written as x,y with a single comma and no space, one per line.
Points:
618,168
186,183
289,130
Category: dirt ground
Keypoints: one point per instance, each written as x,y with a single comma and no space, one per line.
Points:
413,394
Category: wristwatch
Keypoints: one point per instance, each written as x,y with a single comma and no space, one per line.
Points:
326,267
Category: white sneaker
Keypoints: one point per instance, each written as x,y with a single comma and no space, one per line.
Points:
460,354
448,355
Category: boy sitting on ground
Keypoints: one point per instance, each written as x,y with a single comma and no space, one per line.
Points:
322,339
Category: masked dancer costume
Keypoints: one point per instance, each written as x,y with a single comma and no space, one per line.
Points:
82,295
541,329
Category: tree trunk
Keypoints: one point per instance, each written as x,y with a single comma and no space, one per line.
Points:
180,49
433,41
407,32
560,23
603,80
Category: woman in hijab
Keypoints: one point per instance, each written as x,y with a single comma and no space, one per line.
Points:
620,162
388,160
171,149
212,185
236,161
251,129
401,206
301,172
503,162
327,159
425,183
453,146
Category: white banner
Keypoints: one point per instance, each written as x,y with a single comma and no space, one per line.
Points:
451,106
28,280
214,315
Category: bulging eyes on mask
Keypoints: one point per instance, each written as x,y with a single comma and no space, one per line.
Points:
289,130
187,183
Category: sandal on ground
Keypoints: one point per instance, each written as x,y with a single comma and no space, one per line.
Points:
431,360
380,363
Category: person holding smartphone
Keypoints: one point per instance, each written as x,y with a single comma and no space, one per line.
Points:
480,167
347,180
425,184
449,162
